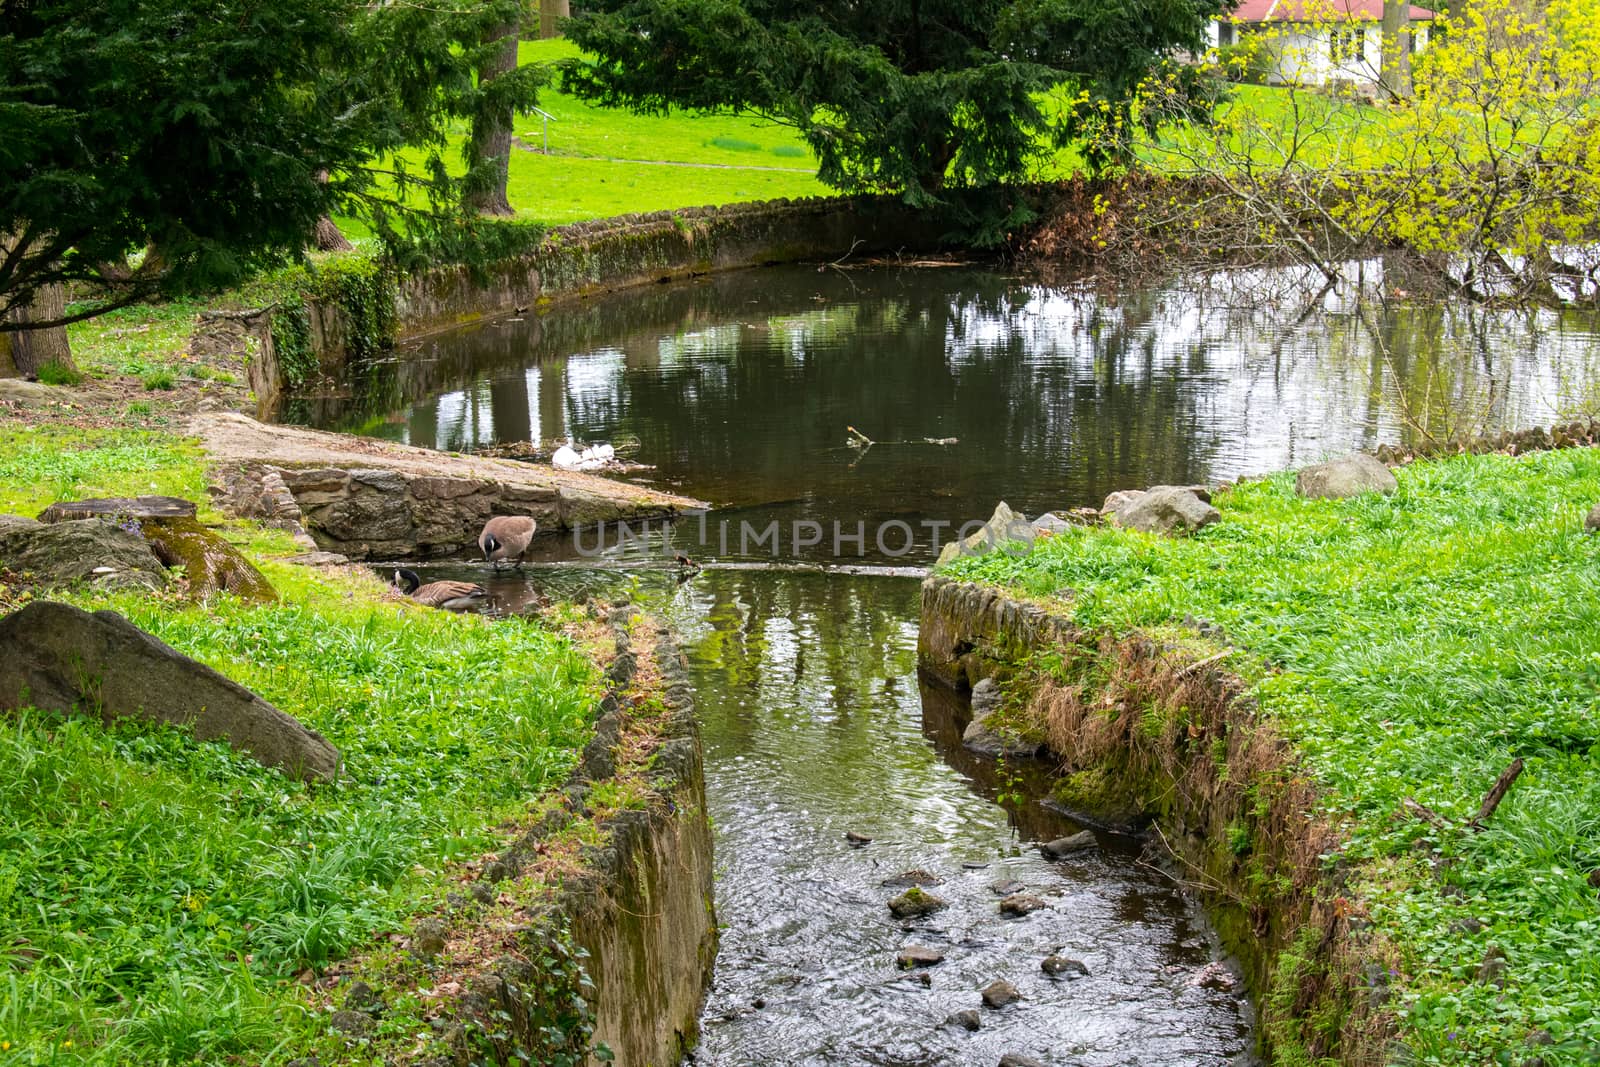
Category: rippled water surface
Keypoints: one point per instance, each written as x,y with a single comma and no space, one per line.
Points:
738,390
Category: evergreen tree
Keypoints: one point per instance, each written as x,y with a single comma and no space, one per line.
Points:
908,95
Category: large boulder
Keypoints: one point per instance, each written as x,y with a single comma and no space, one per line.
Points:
1345,476
98,551
1005,528
1166,509
60,658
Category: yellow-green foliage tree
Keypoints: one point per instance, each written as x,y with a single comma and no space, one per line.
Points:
1489,172
1499,153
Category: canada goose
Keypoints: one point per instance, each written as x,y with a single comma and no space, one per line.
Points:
506,537
451,596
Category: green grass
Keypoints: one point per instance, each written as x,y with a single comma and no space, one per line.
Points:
604,162
135,341
1413,645
56,373
41,465
158,894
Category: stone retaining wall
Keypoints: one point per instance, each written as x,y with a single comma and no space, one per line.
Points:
586,258
640,909
369,499
1146,730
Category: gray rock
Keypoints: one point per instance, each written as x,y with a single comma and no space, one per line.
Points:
856,840
93,550
999,993
1005,529
13,522
918,956
58,657
1167,509
1006,887
914,903
1119,500
916,877
982,738
1062,847
427,938
1592,523
1020,904
1345,476
1051,523
1062,967
1017,1059
985,698
967,1019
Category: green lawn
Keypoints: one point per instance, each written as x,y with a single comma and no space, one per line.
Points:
157,894
1412,645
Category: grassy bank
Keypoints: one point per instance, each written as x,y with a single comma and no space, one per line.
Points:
162,900
1410,646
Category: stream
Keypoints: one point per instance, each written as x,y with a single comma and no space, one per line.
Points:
974,386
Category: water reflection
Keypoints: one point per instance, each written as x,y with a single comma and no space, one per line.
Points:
739,388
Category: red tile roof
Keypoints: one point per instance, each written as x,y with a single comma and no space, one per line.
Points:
1317,11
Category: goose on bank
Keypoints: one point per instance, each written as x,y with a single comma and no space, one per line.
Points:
449,595
506,537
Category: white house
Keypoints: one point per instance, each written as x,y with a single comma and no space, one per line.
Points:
1318,42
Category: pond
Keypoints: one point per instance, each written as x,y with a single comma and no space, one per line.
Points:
974,386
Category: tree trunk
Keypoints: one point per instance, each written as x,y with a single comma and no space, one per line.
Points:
490,146
549,12
30,350
330,238
1396,73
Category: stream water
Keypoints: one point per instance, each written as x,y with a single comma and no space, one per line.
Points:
738,390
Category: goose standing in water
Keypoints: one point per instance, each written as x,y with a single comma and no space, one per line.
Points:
506,537
449,595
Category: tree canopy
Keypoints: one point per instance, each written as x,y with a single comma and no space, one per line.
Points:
216,133
907,95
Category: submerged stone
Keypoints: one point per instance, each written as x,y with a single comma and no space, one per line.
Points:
1062,847
999,993
918,956
856,840
1020,904
967,1019
916,877
1017,1059
1062,967
914,903
1345,476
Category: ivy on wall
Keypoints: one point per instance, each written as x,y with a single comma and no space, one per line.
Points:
360,291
